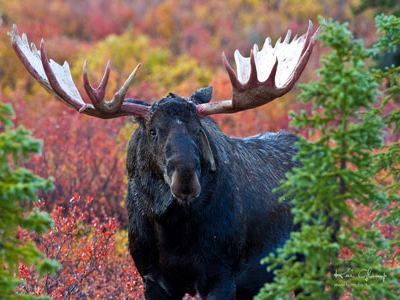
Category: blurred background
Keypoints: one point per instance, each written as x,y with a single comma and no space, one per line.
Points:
179,44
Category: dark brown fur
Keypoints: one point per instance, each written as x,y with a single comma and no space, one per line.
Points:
212,244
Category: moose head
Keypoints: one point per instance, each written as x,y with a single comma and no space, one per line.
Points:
177,142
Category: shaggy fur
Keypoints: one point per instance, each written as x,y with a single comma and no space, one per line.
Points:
213,244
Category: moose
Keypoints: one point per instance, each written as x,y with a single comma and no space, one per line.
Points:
201,206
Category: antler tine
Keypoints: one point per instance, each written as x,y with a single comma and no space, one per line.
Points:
253,79
97,95
232,75
308,36
266,74
271,78
120,95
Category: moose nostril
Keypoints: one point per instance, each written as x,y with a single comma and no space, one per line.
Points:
185,186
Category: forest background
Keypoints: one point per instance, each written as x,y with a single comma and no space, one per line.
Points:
179,44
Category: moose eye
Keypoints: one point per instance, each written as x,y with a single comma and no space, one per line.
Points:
153,132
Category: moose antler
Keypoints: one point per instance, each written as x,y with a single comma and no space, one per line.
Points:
266,74
57,81
262,77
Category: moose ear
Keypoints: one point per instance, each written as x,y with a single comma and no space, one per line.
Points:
172,95
203,95
206,150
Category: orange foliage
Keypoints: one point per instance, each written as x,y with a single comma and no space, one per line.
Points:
91,264
79,152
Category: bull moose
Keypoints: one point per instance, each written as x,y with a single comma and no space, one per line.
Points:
202,211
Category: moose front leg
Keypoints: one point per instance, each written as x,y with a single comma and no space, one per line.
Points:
221,286
156,287
159,290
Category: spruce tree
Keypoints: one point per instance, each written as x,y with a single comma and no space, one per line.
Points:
18,187
338,254
388,160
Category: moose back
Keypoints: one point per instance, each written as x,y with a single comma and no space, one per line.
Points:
202,211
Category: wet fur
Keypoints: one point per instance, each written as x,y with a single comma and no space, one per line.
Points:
214,244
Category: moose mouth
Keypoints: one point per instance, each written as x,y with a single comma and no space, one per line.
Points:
185,200
185,186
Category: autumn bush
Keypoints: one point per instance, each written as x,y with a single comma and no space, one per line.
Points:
80,154
93,257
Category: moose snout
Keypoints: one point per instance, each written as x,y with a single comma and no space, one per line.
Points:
183,166
185,184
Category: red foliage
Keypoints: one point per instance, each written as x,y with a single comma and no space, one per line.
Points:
92,19
346,253
92,266
365,217
100,18
79,152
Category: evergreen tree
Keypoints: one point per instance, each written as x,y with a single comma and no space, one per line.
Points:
388,160
385,57
339,173
18,187
380,5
